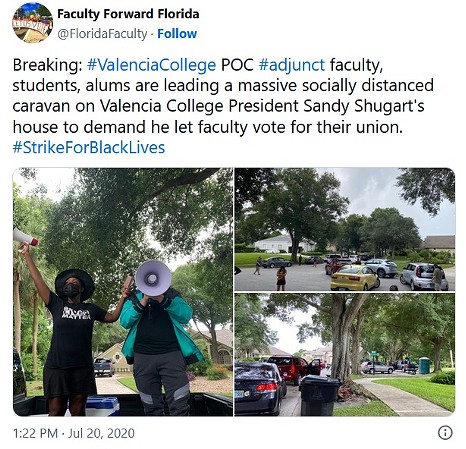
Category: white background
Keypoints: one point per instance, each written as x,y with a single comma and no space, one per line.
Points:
413,40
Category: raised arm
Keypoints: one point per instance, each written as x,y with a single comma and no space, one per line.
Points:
41,286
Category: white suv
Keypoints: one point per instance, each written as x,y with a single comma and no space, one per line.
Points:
418,275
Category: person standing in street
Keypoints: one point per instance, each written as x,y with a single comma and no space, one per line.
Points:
258,265
437,278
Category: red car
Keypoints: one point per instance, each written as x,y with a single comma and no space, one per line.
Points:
291,368
335,265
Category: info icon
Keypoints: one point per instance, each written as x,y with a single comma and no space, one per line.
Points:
32,22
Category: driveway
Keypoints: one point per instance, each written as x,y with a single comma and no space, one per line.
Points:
110,385
306,278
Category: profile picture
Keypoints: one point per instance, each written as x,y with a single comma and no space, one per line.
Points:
32,22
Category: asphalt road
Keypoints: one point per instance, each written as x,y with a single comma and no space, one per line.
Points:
306,278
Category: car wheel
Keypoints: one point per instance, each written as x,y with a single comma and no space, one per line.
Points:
371,371
272,265
413,287
328,271
288,264
381,273
377,283
403,280
390,371
366,287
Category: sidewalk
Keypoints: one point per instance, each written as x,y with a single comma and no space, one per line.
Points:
401,402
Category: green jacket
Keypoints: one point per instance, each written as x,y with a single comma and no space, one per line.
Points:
178,310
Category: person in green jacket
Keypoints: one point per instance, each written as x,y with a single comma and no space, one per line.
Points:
160,348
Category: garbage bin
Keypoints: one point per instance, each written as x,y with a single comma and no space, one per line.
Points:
318,395
424,365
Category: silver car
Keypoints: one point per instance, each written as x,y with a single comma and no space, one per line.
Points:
383,267
418,275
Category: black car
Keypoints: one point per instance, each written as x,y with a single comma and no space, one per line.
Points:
259,388
19,379
272,262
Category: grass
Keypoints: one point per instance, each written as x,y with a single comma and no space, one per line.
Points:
442,395
373,408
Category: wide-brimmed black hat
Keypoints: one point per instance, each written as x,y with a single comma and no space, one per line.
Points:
84,277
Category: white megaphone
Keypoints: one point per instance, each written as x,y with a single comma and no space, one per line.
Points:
153,278
20,236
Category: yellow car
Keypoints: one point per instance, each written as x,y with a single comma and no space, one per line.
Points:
354,277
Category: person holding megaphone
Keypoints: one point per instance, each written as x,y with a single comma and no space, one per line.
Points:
69,369
157,342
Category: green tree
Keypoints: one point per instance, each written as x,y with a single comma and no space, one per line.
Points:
207,286
303,203
250,185
251,329
349,233
340,310
111,219
387,230
430,186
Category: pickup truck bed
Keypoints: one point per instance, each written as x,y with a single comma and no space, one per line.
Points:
200,404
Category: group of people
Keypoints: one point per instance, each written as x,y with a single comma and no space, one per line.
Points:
281,274
157,343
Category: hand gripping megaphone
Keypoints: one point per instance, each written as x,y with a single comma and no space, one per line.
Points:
153,278
20,236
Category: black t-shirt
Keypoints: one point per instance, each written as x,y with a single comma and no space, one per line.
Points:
71,344
155,333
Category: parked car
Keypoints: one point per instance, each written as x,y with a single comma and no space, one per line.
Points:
309,260
259,388
377,367
335,265
104,366
291,368
330,257
354,277
19,378
418,275
272,262
383,267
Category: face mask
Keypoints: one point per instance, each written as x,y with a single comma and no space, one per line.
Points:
71,290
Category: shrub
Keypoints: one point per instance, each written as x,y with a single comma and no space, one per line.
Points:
200,368
191,375
444,377
217,372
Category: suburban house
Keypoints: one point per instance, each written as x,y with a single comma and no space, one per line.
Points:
224,341
262,354
440,243
323,353
281,243
224,338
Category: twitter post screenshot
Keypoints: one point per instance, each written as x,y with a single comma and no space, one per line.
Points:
226,213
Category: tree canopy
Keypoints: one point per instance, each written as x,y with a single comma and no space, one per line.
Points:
429,186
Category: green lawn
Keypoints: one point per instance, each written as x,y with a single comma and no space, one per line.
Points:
442,395
373,408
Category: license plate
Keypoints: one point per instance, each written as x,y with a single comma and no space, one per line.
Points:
239,394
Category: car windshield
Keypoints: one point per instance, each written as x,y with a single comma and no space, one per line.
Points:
281,361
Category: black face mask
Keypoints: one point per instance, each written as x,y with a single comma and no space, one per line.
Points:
71,290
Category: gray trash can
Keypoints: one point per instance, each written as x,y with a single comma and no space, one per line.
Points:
424,365
318,395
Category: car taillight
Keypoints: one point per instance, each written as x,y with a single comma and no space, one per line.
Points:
418,272
354,278
272,386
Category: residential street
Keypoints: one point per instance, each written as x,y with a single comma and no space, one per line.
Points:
306,278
